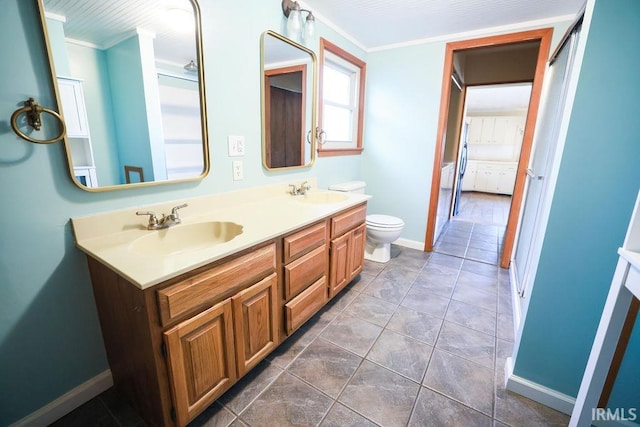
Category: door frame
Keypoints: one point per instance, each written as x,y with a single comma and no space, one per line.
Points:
544,36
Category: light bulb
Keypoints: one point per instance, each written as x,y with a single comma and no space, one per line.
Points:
294,24
309,28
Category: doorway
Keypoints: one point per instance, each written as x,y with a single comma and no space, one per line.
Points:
472,63
488,151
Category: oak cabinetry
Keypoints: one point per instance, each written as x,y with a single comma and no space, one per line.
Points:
201,359
348,233
305,274
255,313
176,347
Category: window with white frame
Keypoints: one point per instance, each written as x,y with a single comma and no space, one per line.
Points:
342,95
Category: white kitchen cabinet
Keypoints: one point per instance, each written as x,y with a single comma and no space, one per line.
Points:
469,179
506,179
494,177
496,130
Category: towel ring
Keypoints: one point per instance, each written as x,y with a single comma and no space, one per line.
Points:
32,109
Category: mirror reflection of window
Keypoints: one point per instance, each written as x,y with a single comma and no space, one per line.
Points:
343,77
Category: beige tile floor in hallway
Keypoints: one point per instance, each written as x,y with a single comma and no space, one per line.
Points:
419,341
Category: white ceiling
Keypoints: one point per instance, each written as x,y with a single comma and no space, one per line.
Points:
376,23
498,98
102,23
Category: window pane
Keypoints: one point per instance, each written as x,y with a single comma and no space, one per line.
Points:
337,122
336,86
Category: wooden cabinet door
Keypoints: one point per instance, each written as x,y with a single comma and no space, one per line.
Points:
356,251
339,274
256,328
201,360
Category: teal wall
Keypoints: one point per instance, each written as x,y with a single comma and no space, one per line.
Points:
50,340
126,80
596,190
402,108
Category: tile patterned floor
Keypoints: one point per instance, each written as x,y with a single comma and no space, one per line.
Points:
419,341
484,208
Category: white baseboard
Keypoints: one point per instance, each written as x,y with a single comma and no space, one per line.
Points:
534,391
68,402
412,244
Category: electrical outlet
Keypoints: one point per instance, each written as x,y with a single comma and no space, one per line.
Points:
238,170
236,145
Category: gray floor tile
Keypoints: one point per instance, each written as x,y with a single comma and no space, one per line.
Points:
451,249
415,324
361,281
248,388
435,410
215,415
464,342
380,395
94,412
515,410
480,268
325,366
437,279
478,281
372,268
401,354
487,256
341,416
445,260
398,273
472,317
287,402
409,258
474,296
462,380
292,346
505,327
424,301
388,289
353,334
374,310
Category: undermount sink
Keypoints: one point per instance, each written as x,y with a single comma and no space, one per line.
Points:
188,237
321,197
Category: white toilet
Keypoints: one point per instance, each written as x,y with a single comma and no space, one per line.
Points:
381,229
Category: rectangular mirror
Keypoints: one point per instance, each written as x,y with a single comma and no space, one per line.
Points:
129,81
288,103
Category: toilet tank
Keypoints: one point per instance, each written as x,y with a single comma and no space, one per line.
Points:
350,187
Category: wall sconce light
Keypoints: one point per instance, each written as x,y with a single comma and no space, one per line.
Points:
296,31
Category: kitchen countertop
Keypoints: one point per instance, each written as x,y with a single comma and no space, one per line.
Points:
263,212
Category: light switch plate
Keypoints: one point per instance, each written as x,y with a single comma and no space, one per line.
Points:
236,145
238,170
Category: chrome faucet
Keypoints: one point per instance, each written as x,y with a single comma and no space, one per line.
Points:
165,221
299,190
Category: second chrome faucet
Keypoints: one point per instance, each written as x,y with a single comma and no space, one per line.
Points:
165,221
299,190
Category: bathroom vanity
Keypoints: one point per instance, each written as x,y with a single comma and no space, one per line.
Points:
181,326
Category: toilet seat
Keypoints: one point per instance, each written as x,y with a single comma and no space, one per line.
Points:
384,221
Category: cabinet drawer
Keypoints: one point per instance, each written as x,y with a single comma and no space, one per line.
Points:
305,270
215,284
303,241
348,220
301,308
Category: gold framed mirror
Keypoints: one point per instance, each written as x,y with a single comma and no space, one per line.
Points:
129,81
289,99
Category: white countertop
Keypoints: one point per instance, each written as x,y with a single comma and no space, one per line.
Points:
264,213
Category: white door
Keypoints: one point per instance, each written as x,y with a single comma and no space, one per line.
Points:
541,162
